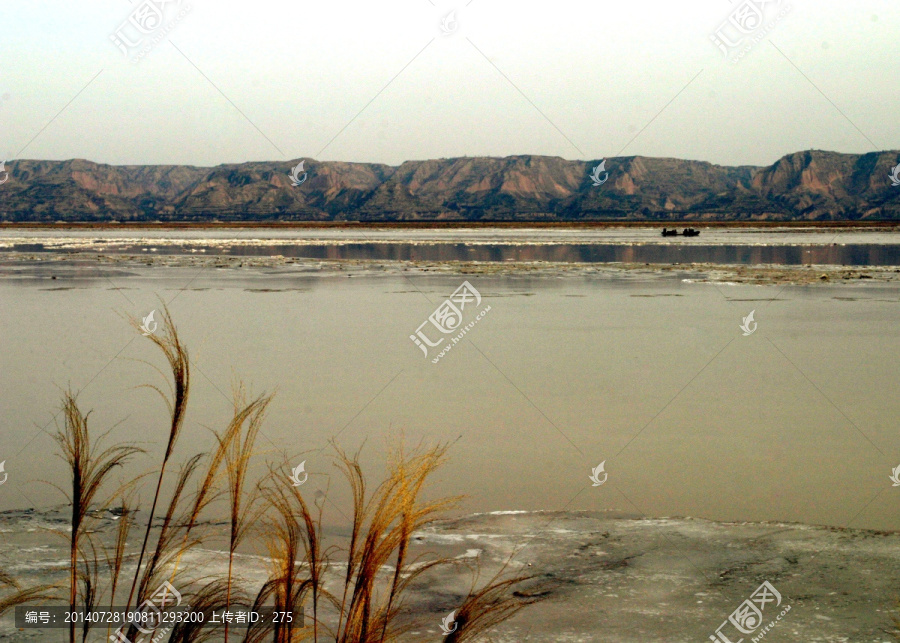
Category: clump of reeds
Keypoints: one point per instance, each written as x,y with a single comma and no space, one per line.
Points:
366,604
369,600
89,468
383,526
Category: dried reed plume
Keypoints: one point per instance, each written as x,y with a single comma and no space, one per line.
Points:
179,363
20,596
31,595
89,470
238,454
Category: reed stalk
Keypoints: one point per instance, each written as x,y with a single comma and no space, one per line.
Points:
89,469
179,363
238,457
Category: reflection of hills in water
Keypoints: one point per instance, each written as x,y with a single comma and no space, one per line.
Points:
844,254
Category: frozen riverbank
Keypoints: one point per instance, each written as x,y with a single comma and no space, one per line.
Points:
622,579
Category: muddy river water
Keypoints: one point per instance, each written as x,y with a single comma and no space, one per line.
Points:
656,377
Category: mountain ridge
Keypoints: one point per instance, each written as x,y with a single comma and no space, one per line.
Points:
811,185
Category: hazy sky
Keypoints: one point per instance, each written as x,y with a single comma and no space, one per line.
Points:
278,80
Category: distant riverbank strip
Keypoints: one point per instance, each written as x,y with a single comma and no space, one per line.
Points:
450,225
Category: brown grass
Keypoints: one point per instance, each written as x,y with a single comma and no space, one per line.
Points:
18,596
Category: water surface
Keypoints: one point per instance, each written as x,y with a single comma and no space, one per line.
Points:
795,422
786,246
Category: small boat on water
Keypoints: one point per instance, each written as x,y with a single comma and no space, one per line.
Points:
688,232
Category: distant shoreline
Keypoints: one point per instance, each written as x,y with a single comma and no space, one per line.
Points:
424,225
62,265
